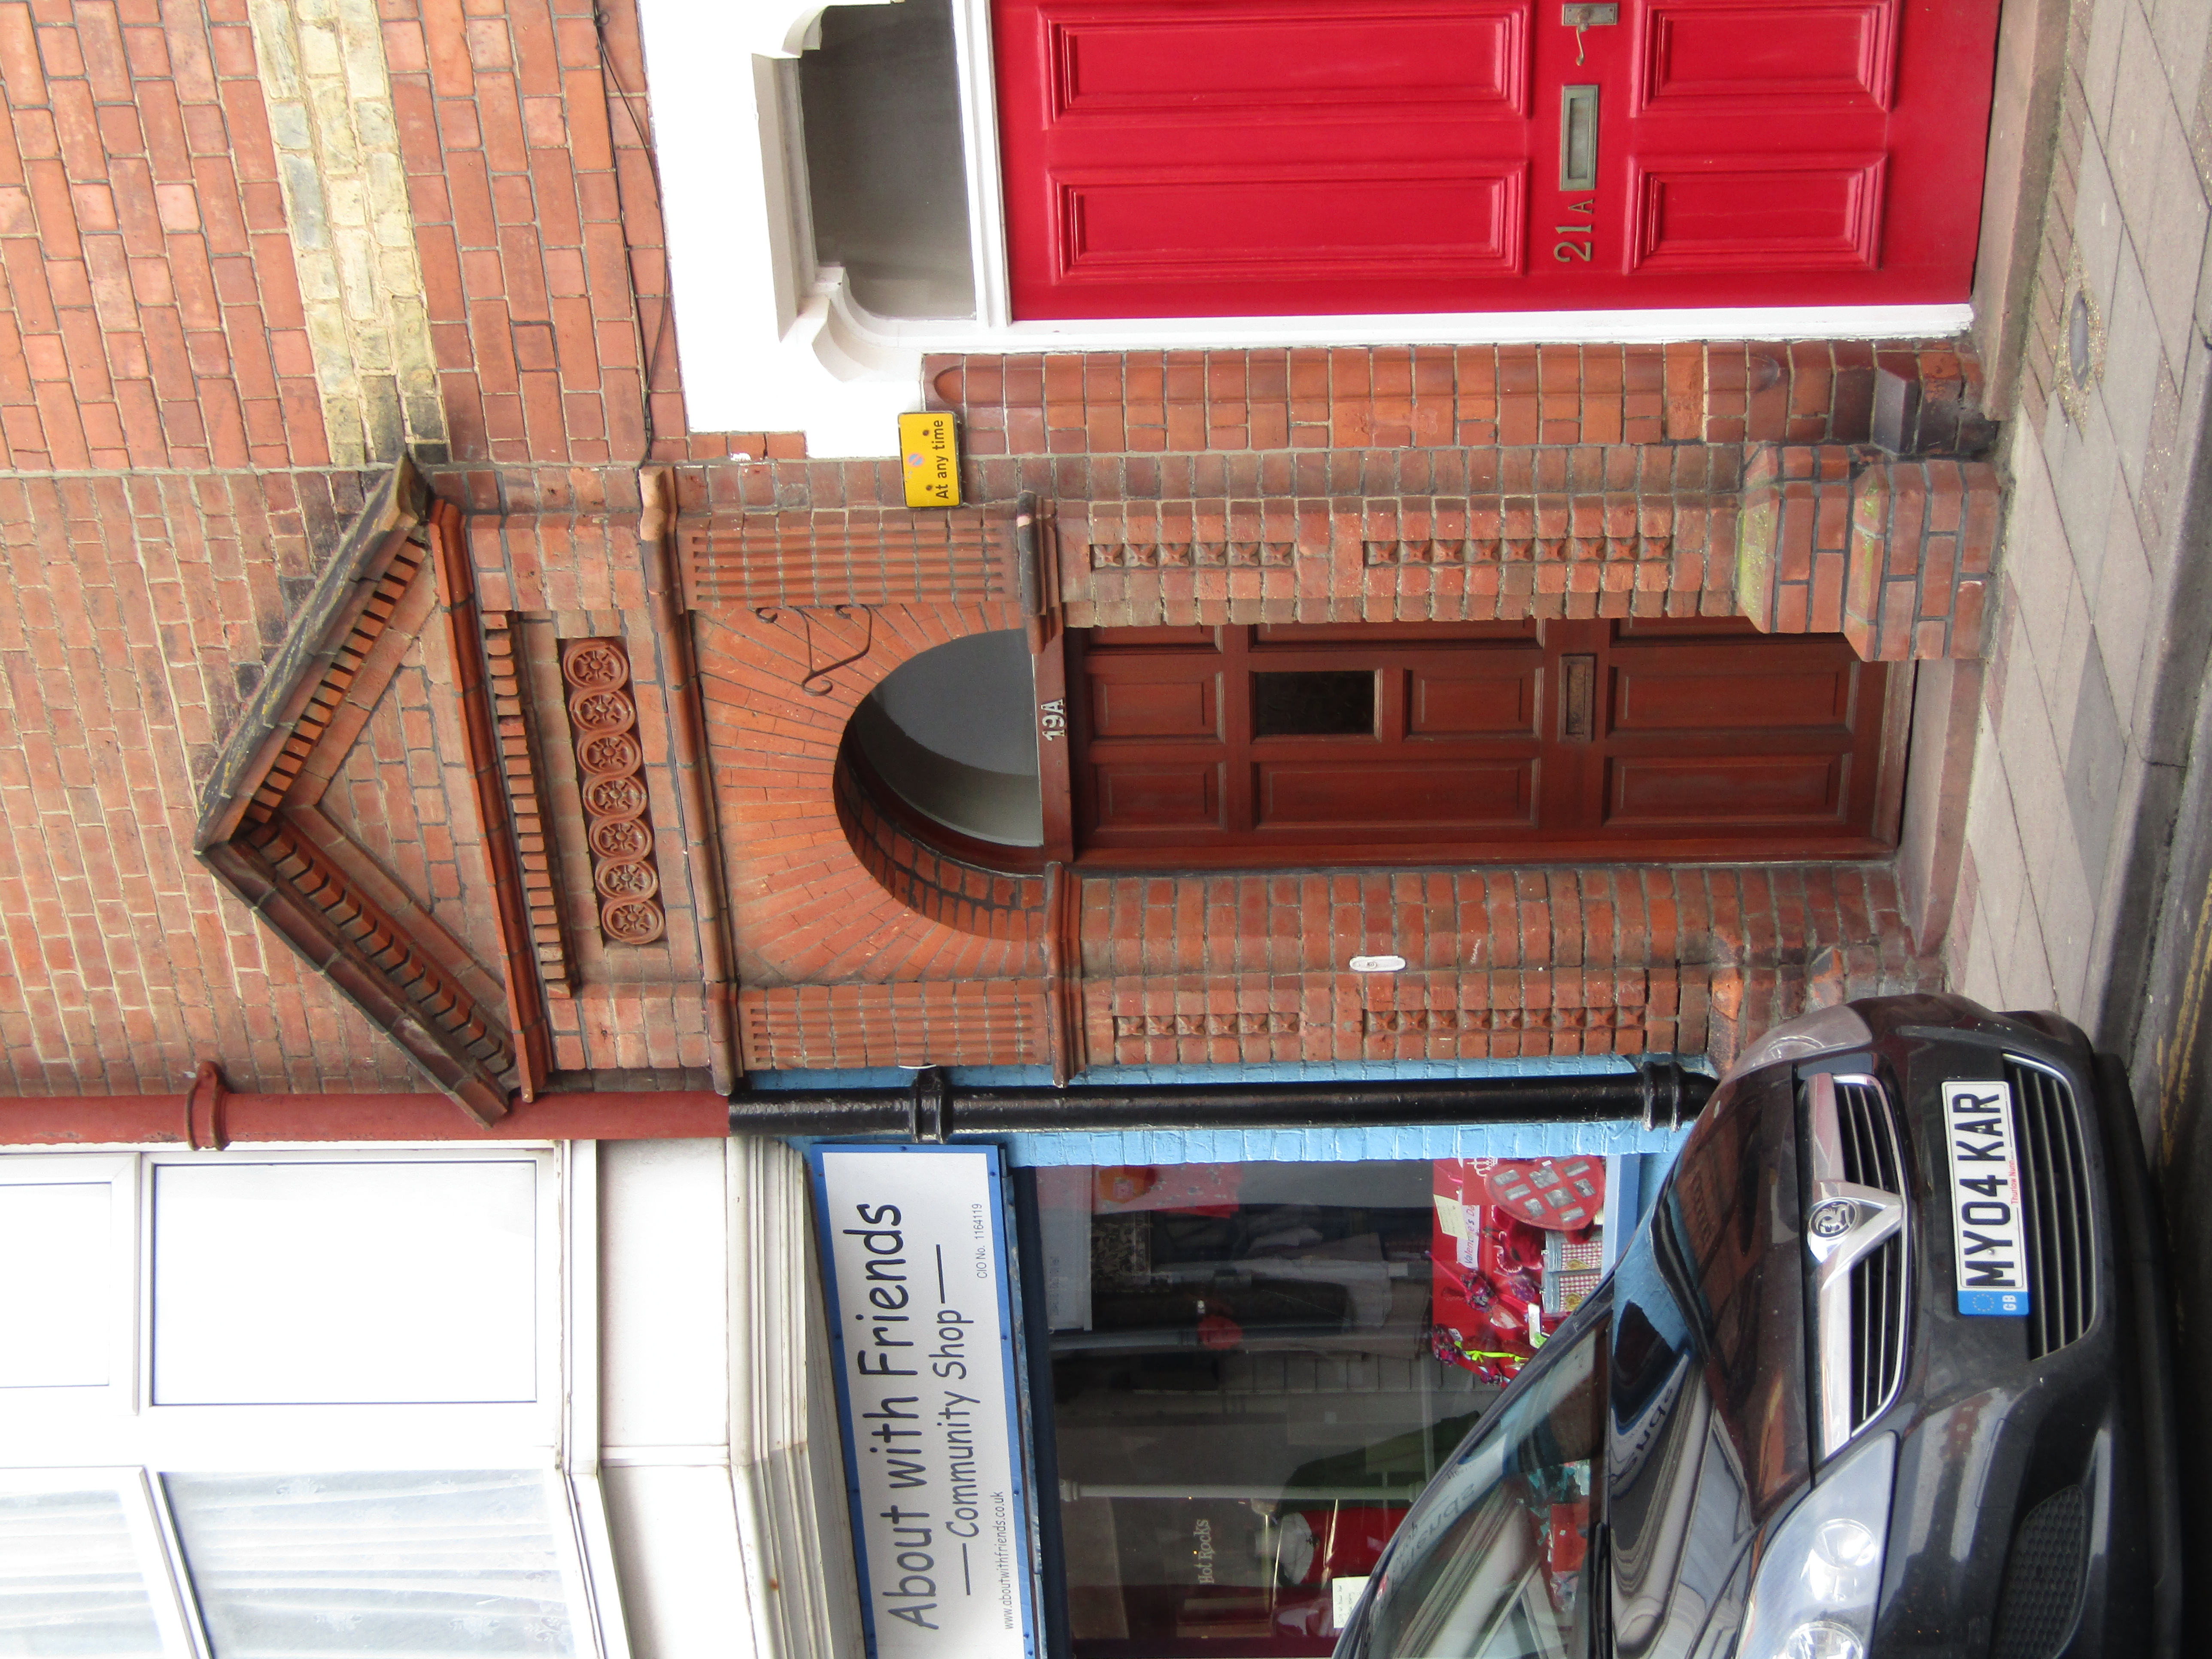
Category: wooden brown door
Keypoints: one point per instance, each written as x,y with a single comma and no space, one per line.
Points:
1427,743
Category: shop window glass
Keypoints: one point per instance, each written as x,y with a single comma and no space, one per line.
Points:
1492,1563
1257,1367
289,1566
357,1283
59,1316
70,1581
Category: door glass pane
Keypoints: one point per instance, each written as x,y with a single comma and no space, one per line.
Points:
1314,704
61,1307
384,1563
331,1283
70,1581
1255,1369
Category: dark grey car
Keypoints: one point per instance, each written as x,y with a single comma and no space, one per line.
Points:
1884,1372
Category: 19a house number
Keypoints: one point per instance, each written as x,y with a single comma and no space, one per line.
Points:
1051,718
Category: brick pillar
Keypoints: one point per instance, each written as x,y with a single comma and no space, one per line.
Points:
1894,554
1923,535
1793,538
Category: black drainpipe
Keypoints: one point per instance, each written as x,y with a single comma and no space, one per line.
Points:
1657,1094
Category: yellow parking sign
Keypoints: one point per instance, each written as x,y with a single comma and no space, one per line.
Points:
929,451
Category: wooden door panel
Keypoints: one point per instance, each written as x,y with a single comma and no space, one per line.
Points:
1717,792
1740,55
1159,795
1500,702
1206,225
1701,740
1699,701
1754,213
1140,639
1164,708
1381,797
1294,63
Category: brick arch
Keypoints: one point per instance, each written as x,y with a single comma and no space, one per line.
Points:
922,870
806,907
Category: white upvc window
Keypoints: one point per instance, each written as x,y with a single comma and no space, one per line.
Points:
293,1401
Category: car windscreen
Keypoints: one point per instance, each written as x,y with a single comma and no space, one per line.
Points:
1489,1563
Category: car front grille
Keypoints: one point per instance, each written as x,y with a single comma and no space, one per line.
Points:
1867,1134
2054,1173
1862,1286
2041,1600
1878,1295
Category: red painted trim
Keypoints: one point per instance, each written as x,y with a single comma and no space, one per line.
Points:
160,1120
526,1013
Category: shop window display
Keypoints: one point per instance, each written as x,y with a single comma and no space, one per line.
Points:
1255,1368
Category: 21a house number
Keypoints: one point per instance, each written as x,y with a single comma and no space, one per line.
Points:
1051,718
1565,251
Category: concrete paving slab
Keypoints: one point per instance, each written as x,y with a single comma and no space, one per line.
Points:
2094,757
2085,472
2101,71
2096,226
2126,625
2133,357
2172,250
2183,30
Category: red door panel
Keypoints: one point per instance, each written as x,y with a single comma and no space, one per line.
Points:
1467,702
1317,64
1371,797
1689,699
1156,708
1290,746
1737,55
1134,796
1289,157
1717,792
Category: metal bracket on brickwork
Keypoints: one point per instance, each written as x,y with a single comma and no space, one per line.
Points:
205,1130
773,615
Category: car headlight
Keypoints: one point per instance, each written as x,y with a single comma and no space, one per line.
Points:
1813,1597
1822,1031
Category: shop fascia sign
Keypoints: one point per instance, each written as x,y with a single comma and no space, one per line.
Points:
914,1243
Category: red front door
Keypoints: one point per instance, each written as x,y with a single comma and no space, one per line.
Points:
1432,743
1196,158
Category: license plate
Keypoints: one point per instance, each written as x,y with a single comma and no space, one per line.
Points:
1986,1221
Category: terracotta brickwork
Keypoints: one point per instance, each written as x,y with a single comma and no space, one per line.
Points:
1431,396
929,881
135,614
1895,555
168,505
151,317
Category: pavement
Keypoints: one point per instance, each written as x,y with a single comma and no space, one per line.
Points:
2086,883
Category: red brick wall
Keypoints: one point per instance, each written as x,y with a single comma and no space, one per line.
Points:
134,613
151,316
167,500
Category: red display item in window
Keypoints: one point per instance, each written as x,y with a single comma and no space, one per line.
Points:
1484,1282
1197,1189
1566,1543
1564,1195
1349,1540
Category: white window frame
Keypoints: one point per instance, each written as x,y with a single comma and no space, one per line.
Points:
66,1402
114,1438
238,1439
770,342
